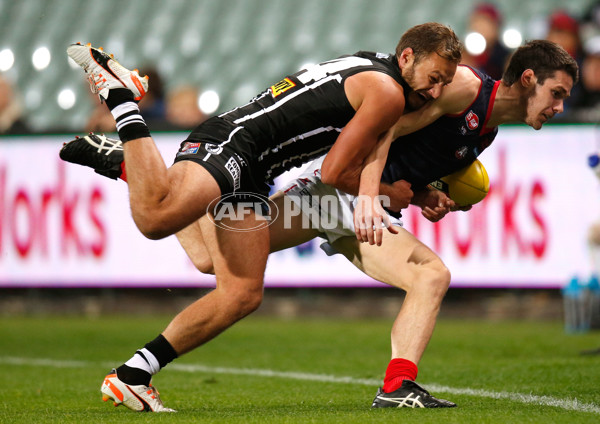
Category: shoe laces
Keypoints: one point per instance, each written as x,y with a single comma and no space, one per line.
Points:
106,144
97,82
153,393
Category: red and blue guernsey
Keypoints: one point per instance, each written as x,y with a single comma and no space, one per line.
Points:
447,145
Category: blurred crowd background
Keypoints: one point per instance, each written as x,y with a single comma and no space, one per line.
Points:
206,56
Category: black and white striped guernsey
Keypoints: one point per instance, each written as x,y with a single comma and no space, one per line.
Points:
300,117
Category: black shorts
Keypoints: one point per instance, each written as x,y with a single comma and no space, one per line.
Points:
227,152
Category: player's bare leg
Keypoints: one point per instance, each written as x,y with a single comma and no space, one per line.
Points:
192,241
163,201
239,292
288,231
404,262
239,288
284,232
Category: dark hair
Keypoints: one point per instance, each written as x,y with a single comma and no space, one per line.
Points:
544,58
431,37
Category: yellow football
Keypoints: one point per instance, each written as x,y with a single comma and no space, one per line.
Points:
466,186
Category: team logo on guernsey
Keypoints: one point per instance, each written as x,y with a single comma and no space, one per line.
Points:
189,148
214,149
282,86
472,120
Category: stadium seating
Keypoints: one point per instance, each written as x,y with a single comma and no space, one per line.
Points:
236,47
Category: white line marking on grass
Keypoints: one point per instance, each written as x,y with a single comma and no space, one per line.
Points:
573,405
323,378
568,404
42,362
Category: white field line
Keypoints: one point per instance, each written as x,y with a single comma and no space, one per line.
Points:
568,404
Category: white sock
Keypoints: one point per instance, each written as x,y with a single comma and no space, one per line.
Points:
144,360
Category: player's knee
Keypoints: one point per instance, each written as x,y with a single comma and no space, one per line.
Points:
153,233
151,225
444,277
434,282
439,281
247,301
203,263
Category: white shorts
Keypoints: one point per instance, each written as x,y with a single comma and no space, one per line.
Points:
327,209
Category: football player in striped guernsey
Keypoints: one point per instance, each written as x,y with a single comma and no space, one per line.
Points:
425,153
342,107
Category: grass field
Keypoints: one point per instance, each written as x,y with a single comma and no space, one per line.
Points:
314,371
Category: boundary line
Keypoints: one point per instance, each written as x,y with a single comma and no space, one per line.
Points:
568,404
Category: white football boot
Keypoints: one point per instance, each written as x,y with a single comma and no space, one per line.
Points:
105,73
138,398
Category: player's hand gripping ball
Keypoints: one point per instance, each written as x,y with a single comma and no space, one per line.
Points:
466,186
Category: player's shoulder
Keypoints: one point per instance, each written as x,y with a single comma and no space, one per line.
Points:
380,84
462,91
375,79
466,81
380,87
381,68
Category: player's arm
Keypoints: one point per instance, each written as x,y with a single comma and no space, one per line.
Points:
370,176
434,204
454,99
379,102
369,215
416,120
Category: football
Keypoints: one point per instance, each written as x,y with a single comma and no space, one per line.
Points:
466,186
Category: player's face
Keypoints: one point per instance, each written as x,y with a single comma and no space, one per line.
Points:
548,99
427,77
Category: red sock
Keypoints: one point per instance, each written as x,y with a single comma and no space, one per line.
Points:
397,371
123,175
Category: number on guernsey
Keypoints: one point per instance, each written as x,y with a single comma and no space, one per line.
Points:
321,70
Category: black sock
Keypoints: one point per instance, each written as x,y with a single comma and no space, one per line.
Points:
133,376
158,350
126,112
162,350
118,96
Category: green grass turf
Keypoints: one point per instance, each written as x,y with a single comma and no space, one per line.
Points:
528,358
